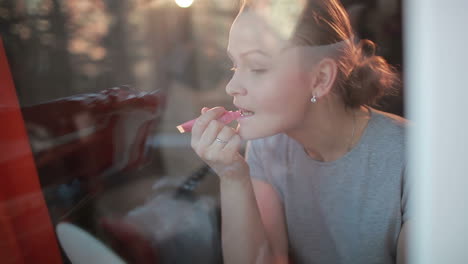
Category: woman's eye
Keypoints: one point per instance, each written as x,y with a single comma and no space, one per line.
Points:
256,71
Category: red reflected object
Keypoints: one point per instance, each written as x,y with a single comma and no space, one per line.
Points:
25,228
90,136
85,138
129,242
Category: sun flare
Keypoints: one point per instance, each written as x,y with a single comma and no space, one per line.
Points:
184,3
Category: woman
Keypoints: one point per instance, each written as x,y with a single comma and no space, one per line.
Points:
324,176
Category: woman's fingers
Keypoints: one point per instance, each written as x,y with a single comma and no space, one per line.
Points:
222,138
203,121
233,146
218,144
216,151
208,136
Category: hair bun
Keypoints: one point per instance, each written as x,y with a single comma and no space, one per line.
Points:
371,78
366,47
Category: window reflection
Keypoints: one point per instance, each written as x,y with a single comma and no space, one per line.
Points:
103,84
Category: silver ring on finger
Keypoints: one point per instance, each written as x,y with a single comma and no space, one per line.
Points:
221,141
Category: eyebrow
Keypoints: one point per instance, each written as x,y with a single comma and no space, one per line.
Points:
250,52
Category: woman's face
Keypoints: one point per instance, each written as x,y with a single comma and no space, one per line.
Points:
270,82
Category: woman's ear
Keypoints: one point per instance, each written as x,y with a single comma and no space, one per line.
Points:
324,77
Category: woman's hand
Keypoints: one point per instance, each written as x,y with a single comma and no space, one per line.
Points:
218,145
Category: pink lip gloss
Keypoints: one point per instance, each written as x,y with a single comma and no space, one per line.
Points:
226,118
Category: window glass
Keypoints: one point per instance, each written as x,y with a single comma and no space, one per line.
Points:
100,87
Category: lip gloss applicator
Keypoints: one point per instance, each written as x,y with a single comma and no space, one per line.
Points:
226,118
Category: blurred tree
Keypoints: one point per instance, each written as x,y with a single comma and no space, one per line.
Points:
36,43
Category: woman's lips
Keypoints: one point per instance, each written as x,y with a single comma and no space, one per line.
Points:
245,113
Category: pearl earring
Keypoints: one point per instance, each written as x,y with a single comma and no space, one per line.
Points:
314,99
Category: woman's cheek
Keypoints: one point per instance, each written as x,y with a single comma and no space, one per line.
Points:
291,87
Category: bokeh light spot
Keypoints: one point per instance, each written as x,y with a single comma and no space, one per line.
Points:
184,3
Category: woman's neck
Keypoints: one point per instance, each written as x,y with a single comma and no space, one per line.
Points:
329,132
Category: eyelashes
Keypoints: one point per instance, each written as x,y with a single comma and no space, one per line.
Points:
256,71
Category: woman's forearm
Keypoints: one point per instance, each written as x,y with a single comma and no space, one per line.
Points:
243,236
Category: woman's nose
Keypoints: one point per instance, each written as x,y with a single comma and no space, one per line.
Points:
235,87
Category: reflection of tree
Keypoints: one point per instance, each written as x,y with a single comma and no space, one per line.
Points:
35,39
212,20
60,48
117,42
88,24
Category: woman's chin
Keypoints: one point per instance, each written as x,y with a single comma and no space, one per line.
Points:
251,134
245,134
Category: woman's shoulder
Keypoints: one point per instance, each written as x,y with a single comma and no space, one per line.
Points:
388,122
388,129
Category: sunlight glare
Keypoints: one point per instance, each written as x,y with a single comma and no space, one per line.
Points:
184,3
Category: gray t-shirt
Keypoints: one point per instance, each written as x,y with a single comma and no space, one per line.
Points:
346,211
